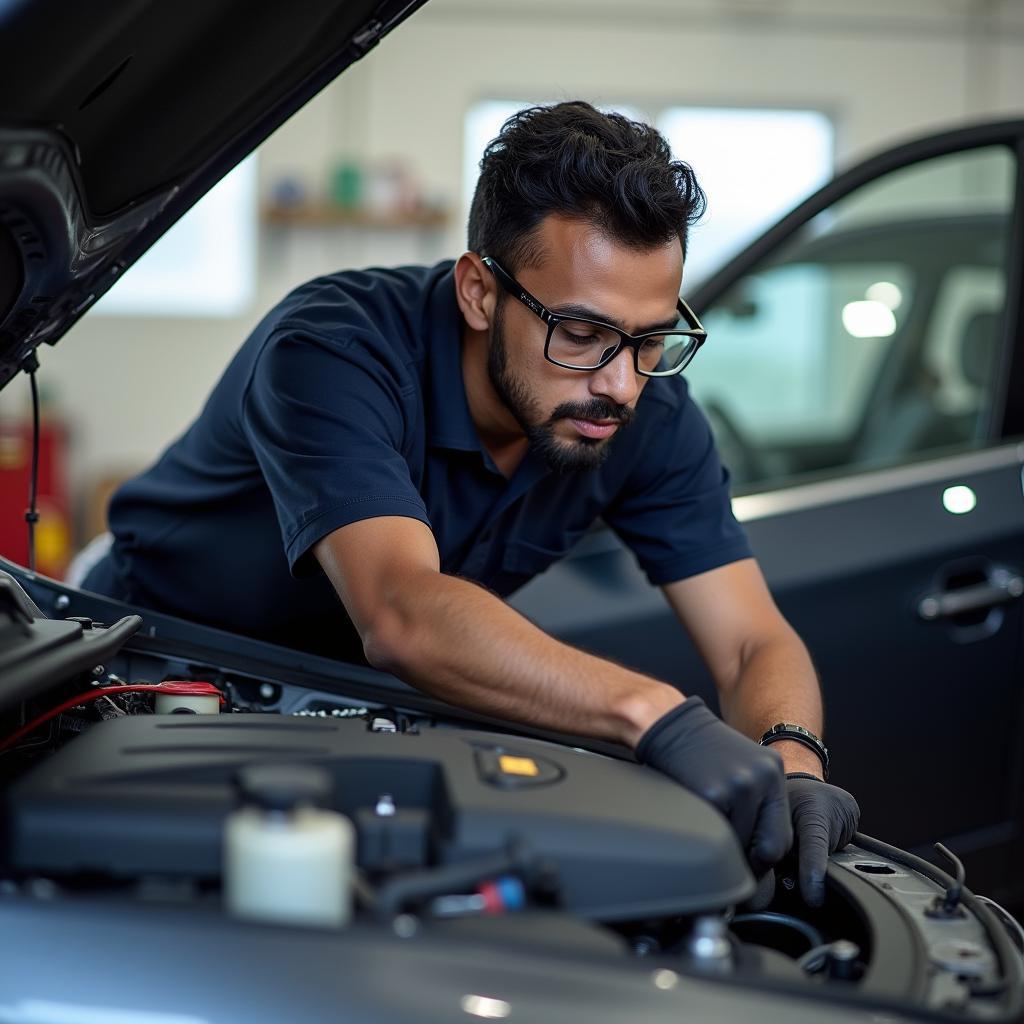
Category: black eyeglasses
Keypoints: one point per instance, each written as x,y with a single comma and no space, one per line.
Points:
581,344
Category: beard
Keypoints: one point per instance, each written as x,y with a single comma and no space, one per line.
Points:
561,456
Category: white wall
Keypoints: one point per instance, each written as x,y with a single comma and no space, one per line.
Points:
888,69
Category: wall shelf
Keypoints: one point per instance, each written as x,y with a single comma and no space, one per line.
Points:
324,215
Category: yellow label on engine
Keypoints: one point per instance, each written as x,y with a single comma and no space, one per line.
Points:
518,765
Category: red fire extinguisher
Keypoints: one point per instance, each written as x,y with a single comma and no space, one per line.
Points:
53,529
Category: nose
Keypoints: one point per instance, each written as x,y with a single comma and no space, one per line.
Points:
618,380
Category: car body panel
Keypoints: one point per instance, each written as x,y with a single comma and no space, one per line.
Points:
276,973
917,710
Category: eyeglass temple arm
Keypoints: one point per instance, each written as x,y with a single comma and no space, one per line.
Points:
513,287
684,307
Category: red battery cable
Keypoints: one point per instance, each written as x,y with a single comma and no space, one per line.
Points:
178,688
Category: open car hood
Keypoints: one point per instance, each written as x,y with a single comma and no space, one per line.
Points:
116,118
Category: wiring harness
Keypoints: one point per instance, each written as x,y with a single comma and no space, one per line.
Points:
177,688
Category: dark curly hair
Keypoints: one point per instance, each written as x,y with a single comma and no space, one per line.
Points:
572,159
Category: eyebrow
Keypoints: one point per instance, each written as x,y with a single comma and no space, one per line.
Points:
586,313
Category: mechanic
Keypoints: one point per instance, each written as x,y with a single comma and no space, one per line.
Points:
421,441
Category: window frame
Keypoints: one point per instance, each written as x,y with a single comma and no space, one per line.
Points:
1008,400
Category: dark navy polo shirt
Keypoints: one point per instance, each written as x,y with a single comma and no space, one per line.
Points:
346,403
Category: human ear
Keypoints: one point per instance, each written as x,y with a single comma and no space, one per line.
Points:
475,291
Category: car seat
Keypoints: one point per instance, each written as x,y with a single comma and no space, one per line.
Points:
914,421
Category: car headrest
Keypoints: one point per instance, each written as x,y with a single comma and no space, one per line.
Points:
980,341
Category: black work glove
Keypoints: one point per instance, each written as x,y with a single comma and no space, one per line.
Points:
824,819
743,780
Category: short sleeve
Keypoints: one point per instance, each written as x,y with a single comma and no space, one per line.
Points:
674,511
327,422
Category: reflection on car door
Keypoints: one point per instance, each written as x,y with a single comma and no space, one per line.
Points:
863,383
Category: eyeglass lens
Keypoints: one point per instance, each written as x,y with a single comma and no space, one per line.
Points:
580,344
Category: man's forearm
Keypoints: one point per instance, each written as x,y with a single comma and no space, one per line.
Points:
777,683
453,639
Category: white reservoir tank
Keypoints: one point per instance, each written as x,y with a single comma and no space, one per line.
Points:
287,859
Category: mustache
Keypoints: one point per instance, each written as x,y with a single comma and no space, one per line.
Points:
598,409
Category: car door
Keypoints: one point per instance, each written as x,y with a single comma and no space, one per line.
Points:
863,376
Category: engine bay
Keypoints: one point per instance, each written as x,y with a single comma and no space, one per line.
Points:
157,788
118,782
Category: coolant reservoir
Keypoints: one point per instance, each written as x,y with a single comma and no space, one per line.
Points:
285,858
178,696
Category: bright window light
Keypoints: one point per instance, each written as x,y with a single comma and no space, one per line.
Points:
959,499
869,319
885,292
485,1007
205,265
754,166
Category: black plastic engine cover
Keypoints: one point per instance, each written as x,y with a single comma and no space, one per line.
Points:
148,795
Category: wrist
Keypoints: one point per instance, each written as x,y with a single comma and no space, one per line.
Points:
638,711
797,758
800,735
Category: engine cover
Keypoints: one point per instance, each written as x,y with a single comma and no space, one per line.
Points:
147,795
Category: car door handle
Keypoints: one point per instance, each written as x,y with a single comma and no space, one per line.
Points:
1001,586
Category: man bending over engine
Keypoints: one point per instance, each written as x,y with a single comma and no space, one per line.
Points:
421,441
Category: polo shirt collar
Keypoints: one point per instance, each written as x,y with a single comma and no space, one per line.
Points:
450,424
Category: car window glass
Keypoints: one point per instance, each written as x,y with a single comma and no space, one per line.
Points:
871,336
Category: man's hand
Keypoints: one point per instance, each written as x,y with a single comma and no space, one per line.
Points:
742,779
824,820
